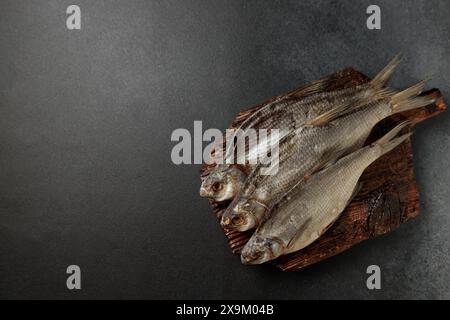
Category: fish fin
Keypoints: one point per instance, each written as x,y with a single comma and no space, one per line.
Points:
350,105
297,233
329,158
321,85
311,88
383,76
314,87
409,99
376,92
330,115
390,140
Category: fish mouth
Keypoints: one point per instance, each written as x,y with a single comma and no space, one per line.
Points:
258,256
233,222
249,258
239,222
225,222
204,193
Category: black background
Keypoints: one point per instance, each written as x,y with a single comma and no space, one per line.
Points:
85,122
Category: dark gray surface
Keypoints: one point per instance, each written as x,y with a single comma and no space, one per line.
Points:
85,124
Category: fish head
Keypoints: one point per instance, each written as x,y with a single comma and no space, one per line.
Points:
261,249
243,214
223,183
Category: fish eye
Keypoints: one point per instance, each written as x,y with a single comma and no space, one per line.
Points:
217,186
237,221
272,244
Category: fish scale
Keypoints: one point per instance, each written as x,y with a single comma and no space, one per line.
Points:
286,113
291,113
310,149
306,212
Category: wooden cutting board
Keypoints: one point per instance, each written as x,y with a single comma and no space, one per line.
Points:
388,197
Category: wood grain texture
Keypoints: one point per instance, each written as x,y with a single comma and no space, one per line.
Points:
388,197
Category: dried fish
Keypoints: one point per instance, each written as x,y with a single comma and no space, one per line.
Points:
312,147
289,112
308,210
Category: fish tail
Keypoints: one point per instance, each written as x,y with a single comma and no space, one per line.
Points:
376,91
409,99
383,76
377,86
312,88
391,139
